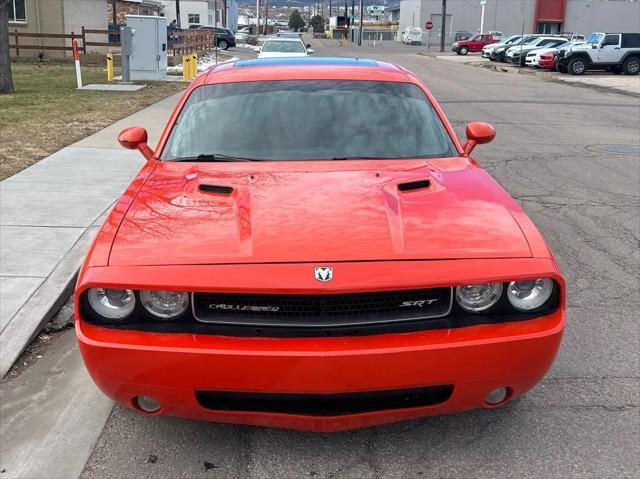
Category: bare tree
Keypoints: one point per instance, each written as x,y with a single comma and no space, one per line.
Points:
6,79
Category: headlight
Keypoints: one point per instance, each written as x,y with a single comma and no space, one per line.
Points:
478,297
165,304
528,295
112,303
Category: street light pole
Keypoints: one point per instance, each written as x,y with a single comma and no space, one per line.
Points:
483,3
443,29
178,24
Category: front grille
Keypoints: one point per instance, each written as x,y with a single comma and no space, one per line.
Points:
325,310
324,404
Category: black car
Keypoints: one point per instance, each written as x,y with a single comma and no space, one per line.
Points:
224,37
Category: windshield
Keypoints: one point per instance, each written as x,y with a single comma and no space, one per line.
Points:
283,46
307,120
595,38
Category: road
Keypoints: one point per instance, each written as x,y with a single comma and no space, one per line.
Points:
583,419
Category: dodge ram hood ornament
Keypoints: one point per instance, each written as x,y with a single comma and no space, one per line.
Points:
324,273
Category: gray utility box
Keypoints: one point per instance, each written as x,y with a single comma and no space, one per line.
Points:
148,59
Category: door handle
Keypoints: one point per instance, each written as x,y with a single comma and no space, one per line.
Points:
617,48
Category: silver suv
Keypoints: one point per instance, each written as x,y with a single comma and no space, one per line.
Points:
617,52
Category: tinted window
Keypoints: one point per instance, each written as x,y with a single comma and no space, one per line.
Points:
312,119
630,40
611,40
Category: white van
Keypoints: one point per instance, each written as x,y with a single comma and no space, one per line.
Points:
412,35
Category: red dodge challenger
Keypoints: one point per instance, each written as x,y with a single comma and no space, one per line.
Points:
310,246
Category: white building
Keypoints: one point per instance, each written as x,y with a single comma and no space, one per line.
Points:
532,16
196,12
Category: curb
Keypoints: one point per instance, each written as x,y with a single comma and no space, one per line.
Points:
549,76
44,303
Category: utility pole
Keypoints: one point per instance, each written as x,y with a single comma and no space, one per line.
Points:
443,29
177,14
483,3
329,8
114,16
351,22
346,10
361,20
266,16
257,18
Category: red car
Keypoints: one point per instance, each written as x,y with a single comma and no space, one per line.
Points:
473,44
283,261
547,60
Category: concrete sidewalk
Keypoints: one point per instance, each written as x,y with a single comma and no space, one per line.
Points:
49,214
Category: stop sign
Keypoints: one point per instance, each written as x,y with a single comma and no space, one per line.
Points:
428,25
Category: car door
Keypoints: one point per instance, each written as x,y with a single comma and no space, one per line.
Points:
474,43
609,50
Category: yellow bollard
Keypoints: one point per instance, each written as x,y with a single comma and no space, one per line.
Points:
194,65
109,66
186,68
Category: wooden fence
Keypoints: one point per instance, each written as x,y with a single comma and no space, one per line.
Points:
189,41
17,45
179,43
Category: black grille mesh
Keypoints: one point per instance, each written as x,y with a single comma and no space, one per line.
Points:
321,310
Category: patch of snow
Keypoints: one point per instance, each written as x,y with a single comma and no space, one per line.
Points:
205,62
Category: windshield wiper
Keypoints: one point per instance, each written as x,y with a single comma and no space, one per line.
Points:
215,157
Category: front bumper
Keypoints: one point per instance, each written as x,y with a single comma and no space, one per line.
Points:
172,367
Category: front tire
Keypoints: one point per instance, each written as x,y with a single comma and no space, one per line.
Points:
464,51
577,66
631,66
223,44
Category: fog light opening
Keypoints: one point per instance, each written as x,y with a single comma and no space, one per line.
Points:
498,396
147,404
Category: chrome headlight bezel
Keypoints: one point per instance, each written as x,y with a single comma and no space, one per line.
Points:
152,302
538,292
490,292
112,304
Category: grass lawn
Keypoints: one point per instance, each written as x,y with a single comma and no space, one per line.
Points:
47,113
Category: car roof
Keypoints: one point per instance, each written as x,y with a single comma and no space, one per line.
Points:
283,39
304,68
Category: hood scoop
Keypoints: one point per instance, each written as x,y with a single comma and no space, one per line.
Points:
414,185
216,189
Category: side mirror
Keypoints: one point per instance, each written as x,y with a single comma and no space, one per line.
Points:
308,45
593,47
135,138
309,51
478,133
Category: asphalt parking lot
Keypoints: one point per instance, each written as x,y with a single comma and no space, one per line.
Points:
553,153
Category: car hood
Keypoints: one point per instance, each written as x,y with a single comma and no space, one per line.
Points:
540,51
317,211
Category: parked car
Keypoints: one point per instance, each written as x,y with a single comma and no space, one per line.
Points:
534,57
283,47
510,40
473,44
498,53
246,277
496,35
412,36
225,38
517,54
617,52
547,60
